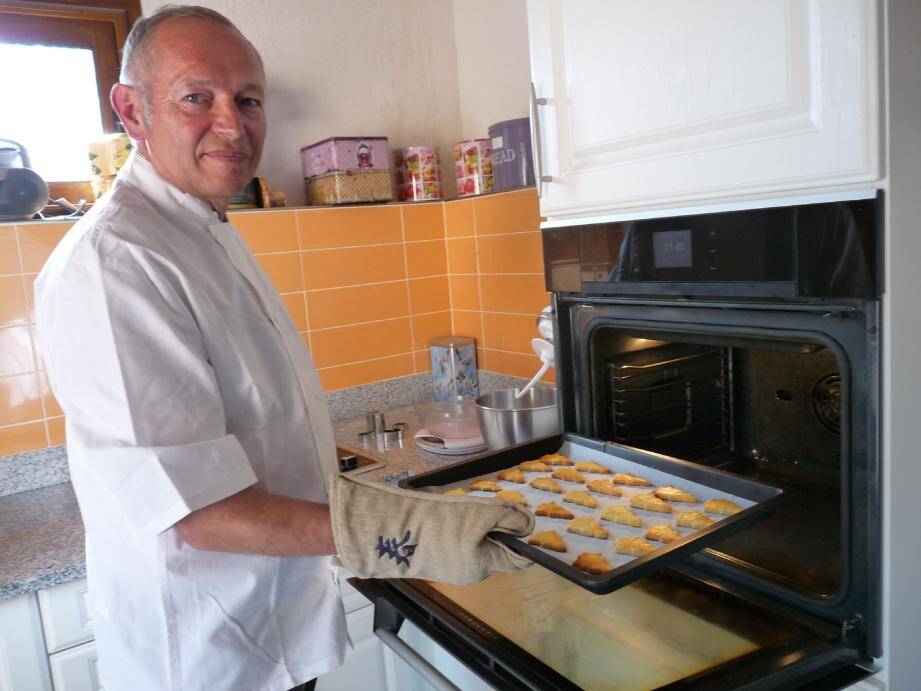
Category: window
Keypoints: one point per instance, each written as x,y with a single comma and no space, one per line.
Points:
66,57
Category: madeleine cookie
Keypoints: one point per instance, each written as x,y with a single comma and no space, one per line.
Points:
723,507
694,519
649,502
548,484
605,487
539,466
675,494
634,546
632,480
555,459
622,515
592,467
568,474
485,486
592,562
588,526
581,497
512,495
512,475
553,510
456,491
661,533
548,539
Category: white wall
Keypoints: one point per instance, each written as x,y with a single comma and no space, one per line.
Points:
350,68
493,70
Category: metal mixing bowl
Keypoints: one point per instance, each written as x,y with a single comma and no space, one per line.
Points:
506,420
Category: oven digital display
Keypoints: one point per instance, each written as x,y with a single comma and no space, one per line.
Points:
671,249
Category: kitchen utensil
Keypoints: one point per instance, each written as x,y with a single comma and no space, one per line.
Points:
452,419
506,420
450,447
544,350
23,193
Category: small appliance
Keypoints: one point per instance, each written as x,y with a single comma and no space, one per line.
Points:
22,192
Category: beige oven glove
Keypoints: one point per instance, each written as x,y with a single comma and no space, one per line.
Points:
386,532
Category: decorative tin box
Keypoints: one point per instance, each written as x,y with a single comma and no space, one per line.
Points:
353,154
454,370
418,175
473,167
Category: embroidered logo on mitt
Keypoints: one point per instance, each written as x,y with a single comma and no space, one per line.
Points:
399,551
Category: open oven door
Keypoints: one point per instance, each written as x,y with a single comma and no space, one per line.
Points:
536,630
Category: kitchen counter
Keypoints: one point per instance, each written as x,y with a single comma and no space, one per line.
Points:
41,533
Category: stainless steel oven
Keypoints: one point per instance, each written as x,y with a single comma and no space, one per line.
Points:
745,341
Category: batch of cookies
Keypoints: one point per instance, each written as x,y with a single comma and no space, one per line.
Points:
661,500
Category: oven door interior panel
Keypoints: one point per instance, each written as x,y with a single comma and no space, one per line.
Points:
533,629
782,394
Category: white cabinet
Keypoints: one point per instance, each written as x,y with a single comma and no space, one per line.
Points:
76,669
23,665
671,103
364,667
66,615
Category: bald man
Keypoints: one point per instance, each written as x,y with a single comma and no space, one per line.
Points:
199,443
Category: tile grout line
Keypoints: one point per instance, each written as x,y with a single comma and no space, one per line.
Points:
297,232
381,321
444,232
479,283
409,301
33,346
358,247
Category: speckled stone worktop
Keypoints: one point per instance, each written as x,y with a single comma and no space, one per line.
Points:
41,534
41,540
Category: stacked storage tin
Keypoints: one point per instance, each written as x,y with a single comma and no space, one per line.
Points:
418,175
347,170
473,167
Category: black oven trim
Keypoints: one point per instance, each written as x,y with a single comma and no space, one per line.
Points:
852,328
819,659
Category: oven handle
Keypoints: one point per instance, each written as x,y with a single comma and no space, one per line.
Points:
428,672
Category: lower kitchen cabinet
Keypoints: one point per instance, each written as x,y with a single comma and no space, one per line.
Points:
365,666
75,669
23,664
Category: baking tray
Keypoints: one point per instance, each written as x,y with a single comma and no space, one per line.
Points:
757,500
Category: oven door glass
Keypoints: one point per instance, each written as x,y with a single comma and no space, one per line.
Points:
533,629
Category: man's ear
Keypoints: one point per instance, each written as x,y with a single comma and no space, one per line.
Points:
127,101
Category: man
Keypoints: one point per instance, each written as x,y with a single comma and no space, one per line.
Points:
198,438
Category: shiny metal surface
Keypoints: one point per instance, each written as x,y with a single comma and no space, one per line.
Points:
507,421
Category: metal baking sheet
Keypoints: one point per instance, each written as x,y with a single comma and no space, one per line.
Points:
756,499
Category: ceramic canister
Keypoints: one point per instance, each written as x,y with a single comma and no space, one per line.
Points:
454,367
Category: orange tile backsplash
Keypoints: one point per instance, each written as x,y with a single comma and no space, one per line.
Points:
367,287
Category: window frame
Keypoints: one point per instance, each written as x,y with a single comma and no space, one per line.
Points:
99,25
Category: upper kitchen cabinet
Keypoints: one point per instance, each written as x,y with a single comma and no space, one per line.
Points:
650,105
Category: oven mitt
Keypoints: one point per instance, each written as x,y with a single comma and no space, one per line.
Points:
386,532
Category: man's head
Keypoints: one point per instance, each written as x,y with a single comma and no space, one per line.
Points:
192,95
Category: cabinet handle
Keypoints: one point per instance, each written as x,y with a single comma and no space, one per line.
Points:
438,680
539,177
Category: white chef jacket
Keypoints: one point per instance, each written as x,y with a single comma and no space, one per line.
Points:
184,381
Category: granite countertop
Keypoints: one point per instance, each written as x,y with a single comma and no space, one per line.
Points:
41,533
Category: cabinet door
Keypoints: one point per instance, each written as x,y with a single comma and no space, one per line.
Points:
23,665
364,666
76,669
408,679
672,103
66,615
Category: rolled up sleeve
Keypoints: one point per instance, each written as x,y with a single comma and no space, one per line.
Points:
128,364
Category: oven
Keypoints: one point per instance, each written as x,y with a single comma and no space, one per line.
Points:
743,341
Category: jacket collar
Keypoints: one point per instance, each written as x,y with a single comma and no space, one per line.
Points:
139,173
